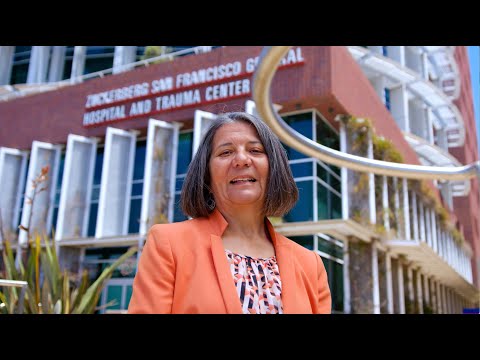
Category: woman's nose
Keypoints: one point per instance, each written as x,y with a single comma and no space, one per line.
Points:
242,159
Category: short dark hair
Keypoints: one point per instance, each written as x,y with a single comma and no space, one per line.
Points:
281,193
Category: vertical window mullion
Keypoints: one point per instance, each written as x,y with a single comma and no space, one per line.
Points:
51,156
12,183
201,122
76,187
116,183
162,137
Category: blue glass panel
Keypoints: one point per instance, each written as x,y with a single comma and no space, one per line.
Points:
114,292
178,214
305,241
128,295
185,144
179,184
135,212
303,210
137,189
139,164
92,221
302,169
301,123
323,205
336,206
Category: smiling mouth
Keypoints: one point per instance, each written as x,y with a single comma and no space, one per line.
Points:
243,181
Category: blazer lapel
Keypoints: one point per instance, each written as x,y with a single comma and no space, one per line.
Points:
286,268
225,279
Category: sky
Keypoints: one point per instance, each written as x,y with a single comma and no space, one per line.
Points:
474,57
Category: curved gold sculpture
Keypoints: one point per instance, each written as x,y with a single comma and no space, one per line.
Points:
268,62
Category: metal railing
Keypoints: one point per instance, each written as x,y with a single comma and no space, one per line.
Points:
267,66
15,283
16,92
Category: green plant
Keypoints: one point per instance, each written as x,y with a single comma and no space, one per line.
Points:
51,290
155,51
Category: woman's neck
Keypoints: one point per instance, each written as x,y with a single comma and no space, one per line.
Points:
246,233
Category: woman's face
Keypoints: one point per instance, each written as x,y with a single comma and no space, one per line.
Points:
238,167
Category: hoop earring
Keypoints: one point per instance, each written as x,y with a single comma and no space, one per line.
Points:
211,203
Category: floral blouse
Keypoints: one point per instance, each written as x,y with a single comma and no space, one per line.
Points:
258,283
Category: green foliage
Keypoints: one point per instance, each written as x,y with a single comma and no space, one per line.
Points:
51,290
155,51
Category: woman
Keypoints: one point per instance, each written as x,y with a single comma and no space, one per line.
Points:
228,258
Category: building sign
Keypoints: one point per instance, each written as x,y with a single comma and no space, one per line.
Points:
199,87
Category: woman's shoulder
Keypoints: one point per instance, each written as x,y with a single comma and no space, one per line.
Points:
176,227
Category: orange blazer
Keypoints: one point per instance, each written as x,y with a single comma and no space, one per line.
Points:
183,269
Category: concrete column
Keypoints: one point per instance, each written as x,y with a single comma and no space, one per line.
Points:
406,209
123,57
395,285
433,293
6,63
424,65
419,292
411,296
414,61
57,64
434,230
399,107
428,228
376,49
375,280
439,298
378,84
38,66
442,141
415,216
396,198
418,120
362,284
78,63
386,208
346,279
401,290
389,283
426,291
422,222
397,53
344,173
371,185
429,124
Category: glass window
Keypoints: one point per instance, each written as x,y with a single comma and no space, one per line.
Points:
178,214
305,241
22,193
301,123
326,135
323,198
303,210
335,282
185,143
98,58
302,169
21,59
387,98
137,187
58,191
97,178
114,294
97,259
